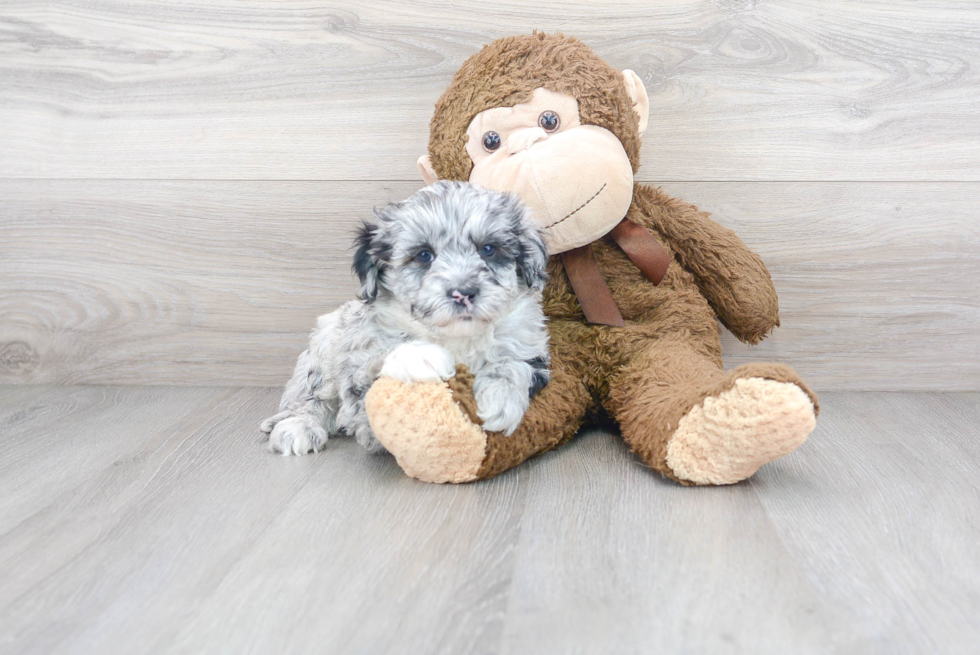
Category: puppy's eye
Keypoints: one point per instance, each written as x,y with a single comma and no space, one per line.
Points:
491,141
488,250
425,257
549,121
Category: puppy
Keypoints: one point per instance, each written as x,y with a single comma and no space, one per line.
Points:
453,275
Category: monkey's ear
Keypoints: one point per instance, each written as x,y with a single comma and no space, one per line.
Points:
366,264
426,171
638,94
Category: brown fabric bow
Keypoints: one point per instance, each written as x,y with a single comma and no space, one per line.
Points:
590,287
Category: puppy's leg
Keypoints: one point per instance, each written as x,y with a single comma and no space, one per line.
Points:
518,367
504,390
307,412
417,361
353,416
308,409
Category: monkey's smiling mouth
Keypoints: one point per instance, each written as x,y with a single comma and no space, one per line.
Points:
577,209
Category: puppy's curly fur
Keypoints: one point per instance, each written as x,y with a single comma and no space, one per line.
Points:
453,275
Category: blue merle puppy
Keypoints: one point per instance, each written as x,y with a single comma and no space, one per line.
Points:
453,275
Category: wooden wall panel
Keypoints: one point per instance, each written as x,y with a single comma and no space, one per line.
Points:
879,284
171,282
219,282
178,181
302,89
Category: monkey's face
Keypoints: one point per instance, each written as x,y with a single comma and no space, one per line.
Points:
576,179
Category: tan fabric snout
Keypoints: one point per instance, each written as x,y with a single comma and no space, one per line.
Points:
524,139
578,183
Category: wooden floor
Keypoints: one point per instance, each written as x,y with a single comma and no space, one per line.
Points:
152,519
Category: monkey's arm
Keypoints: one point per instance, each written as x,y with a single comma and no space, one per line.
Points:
435,433
733,278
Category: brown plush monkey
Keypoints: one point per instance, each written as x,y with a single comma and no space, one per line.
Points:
545,117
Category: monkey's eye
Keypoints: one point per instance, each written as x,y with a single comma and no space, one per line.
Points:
491,141
549,121
425,257
488,250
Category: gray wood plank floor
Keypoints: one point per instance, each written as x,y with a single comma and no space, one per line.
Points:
152,519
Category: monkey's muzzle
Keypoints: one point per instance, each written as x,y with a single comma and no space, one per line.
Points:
578,183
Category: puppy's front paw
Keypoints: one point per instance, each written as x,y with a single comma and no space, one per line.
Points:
297,435
267,425
419,362
500,408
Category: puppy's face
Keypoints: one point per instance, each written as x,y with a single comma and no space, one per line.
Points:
454,255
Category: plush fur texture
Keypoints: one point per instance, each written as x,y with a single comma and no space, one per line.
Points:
726,438
430,447
663,370
452,275
506,72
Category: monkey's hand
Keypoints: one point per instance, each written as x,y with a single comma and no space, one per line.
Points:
428,429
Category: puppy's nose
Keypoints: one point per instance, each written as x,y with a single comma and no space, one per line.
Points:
464,295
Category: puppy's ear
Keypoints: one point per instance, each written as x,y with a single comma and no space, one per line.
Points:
367,264
533,257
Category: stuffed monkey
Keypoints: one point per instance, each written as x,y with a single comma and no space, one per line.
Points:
638,282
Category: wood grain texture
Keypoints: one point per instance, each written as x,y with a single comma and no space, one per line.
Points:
176,531
105,432
903,467
295,89
877,282
171,281
218,282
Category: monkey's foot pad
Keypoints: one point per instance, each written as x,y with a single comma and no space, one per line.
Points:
727,437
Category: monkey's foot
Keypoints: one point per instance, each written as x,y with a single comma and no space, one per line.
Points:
426,430
727,437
